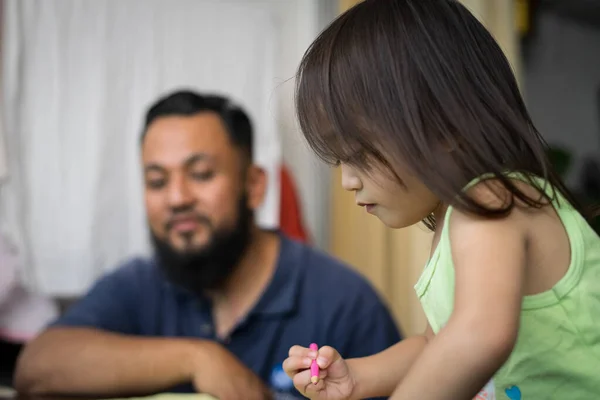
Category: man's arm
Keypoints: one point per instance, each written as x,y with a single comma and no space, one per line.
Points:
92,348
87,361
96,350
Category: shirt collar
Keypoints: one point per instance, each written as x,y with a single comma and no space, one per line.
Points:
281,295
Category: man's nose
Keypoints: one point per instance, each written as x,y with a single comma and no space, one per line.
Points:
350,181
179,193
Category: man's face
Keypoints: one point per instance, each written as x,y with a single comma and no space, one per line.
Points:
197,196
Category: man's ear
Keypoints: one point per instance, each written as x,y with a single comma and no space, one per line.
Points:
256,186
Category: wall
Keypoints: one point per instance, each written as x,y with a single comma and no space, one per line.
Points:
301,20
562,85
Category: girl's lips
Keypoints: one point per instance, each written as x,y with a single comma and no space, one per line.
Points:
368,206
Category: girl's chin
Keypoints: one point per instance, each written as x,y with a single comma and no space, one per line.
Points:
397,221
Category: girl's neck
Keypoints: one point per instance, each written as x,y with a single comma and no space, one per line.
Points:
439,213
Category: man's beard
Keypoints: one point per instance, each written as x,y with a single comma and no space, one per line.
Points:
209,267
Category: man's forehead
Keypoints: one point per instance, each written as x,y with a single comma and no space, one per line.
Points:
174,139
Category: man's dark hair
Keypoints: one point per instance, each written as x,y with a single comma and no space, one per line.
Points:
188,103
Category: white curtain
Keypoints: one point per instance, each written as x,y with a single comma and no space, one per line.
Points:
3,159
78,77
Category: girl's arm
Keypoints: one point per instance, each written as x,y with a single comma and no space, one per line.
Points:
489,258
379,374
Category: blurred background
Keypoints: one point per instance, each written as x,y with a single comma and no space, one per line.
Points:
77,77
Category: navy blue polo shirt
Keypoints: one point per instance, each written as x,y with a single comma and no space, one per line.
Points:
311,298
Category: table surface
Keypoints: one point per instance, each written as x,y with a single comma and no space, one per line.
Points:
5,395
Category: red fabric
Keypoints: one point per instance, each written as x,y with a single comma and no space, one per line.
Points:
290,215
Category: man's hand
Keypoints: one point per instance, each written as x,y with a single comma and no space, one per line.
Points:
217,372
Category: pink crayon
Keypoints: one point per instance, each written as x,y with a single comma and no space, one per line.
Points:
314,367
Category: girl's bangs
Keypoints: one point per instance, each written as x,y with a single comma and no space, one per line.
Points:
333,128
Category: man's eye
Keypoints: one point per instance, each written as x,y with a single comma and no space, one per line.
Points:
155,183
203,176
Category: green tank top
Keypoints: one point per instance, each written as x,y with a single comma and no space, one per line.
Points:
557,354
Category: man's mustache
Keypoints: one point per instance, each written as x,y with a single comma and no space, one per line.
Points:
185,216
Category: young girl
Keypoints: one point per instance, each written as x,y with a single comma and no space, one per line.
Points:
417,103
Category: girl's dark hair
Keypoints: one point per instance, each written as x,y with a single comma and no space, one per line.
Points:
423,85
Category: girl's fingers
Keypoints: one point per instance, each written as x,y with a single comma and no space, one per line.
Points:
299,351
303,383
292,365
327,356
315,387
302,380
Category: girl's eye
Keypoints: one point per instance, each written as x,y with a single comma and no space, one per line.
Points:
357,158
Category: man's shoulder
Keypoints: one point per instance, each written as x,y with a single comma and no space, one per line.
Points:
117,299
341,300
328,270
135,270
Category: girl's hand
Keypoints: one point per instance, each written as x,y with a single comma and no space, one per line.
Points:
336,381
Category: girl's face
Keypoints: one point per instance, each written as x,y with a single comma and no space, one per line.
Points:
383,196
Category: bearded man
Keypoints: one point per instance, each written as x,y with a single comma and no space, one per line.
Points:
217,307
